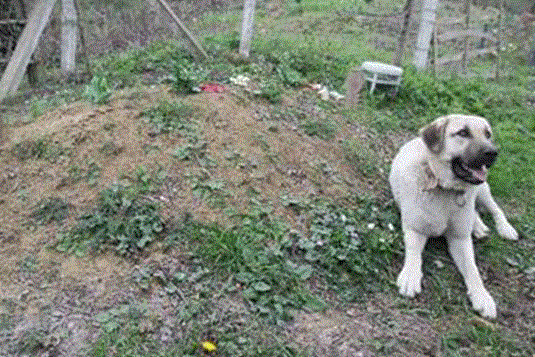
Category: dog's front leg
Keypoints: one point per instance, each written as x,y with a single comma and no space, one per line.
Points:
504,228
410,279
462,252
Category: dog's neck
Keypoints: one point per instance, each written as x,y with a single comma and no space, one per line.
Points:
438,174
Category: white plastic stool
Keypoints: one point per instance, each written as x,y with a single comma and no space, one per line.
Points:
381,73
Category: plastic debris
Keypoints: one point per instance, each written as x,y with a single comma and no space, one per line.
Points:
240,80
325,93
212,88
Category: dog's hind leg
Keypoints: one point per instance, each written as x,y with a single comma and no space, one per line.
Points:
410,279
462,252
504,228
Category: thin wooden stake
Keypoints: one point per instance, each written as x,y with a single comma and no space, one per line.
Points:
499,44
466,39
196,46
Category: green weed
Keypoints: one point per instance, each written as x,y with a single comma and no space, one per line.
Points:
99,90
50,209
361,157
158,57
480,341
271,89
38,149
120,221
323,129
188,76
167,117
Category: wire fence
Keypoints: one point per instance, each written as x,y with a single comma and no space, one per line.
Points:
109,27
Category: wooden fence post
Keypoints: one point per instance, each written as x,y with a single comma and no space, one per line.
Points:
247,27
500,39
464,61
403,35
20,58
424,33
68,37
26,44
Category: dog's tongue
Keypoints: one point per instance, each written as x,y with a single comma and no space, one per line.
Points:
480,174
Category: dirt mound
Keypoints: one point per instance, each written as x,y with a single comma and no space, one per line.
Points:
242,152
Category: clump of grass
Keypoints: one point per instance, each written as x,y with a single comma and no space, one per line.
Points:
50,209
480,339
169,116
361,157
120,221
271,89
38,149
323,129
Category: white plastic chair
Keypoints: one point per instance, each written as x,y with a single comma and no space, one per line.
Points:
381,73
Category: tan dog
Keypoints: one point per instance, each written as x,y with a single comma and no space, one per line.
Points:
437,179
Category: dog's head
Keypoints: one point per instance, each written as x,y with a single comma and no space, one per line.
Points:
465,143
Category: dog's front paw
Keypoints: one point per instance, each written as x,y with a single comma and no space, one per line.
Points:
409,282
480,229
484,304
506,230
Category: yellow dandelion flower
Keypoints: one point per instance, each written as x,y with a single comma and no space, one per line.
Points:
209,346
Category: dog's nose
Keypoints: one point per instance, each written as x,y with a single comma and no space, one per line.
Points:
488,156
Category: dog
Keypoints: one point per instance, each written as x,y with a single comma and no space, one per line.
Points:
437,180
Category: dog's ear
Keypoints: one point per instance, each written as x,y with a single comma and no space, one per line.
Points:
433,135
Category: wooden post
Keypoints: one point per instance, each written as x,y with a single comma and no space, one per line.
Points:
403,35
198,50
464,61
500,37
424,33
82,38
68,37
26,45
247,27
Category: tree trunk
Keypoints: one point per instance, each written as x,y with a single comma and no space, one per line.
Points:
403,36
247,27
69,37
424,33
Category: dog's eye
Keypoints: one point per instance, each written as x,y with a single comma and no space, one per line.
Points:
464,133
488,134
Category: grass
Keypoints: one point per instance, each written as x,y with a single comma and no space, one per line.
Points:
120,221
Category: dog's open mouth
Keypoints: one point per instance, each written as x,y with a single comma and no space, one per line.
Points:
473,175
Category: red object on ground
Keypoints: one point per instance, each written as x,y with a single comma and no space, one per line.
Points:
212,88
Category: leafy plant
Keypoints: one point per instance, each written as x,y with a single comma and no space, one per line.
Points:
42,148
170,116
323,129
50,209
271,89
99,89
188,76
120,221
361,157
345,245
286,69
